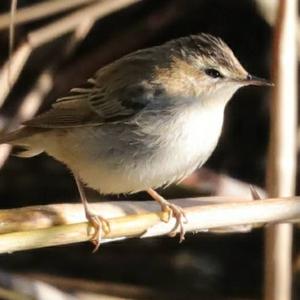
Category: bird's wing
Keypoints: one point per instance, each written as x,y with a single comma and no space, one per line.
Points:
93,108
114,95
72,113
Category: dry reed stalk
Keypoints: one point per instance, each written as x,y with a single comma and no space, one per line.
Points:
44,216
281,173
134,219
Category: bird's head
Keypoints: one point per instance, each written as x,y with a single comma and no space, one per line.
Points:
204,66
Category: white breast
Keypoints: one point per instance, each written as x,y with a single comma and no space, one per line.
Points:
185,143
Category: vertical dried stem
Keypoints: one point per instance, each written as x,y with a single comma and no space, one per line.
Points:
13,8
281,171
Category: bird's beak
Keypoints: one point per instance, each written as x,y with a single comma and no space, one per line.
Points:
253,80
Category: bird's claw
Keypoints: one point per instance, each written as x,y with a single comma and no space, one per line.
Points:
100,226
178,213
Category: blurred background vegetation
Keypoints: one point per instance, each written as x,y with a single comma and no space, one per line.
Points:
204,266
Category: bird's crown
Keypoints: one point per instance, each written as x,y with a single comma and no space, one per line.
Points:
207,51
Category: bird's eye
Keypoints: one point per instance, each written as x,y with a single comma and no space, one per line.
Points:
213,73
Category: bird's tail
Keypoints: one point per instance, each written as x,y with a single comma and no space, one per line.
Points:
24,141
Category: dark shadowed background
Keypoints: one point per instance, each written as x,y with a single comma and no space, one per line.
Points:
204,266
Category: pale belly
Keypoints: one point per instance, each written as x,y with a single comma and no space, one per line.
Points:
115,161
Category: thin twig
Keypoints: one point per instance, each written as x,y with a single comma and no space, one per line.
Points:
11,40
147,223
12,68
40,10
71,21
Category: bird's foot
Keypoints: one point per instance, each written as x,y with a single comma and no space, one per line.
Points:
176,212
100,226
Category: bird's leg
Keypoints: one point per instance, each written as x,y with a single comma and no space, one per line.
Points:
99,223
173,211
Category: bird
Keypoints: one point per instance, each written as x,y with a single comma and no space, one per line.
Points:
144,121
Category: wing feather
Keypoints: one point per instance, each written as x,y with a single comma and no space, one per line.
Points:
66,114
118,91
